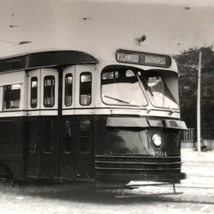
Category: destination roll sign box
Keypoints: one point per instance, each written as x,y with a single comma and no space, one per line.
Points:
142,58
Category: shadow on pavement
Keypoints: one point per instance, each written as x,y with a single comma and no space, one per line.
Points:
84,193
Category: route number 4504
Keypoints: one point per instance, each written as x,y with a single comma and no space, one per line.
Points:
160,154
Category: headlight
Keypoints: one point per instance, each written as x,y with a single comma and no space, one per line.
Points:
156,139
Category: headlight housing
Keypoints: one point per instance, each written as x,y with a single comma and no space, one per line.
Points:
156,139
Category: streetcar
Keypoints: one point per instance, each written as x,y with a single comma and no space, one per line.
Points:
68,116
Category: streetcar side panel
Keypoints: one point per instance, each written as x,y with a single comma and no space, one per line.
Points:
12,124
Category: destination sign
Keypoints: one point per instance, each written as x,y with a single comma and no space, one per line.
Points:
13,65
142,58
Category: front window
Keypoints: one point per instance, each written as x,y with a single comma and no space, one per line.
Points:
121,87
157,90
132,86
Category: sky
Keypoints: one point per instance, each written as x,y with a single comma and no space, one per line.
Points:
169,26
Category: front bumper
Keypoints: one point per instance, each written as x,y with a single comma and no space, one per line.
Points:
110,168
172,177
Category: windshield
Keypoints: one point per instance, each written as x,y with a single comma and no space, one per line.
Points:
131,86
121,87
157,90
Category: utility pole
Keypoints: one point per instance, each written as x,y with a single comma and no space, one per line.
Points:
199,106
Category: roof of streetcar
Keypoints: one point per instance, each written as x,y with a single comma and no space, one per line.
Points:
45,59
63,58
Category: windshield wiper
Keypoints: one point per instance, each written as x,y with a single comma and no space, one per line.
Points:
148,88
113,98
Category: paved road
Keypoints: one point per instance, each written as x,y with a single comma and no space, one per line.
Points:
79,199
198,167
197,197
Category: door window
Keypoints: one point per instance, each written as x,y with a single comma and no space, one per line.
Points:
67,148
85,88
34,92
68,89
48,133
33,136
85,134
49,91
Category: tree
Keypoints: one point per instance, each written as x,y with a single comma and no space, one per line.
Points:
187,62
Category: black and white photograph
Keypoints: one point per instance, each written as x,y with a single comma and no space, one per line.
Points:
106,106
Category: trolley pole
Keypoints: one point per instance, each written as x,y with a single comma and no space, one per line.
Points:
199,106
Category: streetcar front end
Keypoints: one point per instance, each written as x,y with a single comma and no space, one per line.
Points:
139,134
139,149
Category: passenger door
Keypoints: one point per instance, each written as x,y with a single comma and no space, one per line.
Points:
77,161
84,121
42,124
49,124
61,123
32,125
67,149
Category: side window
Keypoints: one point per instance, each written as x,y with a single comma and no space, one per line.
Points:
85,133
34,92
12,96
68,89
49,91
85,88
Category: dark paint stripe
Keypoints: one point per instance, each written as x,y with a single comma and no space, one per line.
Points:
137,156
136,163
136,169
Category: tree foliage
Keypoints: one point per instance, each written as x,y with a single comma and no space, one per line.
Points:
188,61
